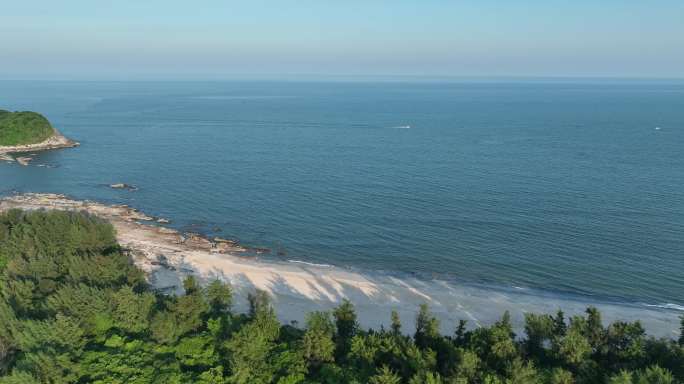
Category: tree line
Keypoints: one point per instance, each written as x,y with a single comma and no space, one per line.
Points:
74,309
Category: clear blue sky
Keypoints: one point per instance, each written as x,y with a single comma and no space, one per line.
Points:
215,39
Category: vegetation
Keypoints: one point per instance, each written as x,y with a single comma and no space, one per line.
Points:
73,309
21,128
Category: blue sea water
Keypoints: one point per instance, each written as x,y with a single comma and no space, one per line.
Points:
574,187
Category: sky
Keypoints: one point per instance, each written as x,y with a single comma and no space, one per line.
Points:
212,39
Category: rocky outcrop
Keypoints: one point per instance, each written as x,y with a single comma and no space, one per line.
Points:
55,141
24,160
125,186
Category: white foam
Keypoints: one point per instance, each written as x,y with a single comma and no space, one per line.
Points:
311,264
676,307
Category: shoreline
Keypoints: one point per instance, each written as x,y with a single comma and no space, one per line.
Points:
56,141
167,256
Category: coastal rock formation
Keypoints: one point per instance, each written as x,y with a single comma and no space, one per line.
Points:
24,160
28,132
56,141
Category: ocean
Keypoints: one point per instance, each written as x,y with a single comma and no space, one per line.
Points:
563,187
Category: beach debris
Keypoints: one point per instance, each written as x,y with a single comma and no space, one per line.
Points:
128,187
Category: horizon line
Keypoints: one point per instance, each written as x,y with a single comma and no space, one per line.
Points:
304,77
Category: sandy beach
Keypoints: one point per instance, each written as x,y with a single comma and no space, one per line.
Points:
167,256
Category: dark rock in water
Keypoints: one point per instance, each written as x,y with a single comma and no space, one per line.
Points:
128,187
227,241
260,250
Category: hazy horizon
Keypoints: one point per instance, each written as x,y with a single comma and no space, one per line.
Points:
78,40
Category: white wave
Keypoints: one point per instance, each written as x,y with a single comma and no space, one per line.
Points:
402,127
676,307
518,288
311,264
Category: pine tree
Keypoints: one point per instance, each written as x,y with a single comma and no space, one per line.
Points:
460,334
219,296
396,323
427,327
345,320
559,326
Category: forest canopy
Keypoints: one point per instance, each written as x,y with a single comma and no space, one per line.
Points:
74,309
22,128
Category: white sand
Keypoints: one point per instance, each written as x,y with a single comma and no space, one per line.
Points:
299,288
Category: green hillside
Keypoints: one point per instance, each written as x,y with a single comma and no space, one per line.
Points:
20,128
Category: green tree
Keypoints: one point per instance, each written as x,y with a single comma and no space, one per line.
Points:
132,311
346,325
219,296
18,377
212,376
396,323
427,327
623,377
317,343
560,376
259,302
191,285
468,365
460,333
559,326
573,348
594,331
252,349
539,329
345,320
654,375
197,351
625,346
520,372
385,376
